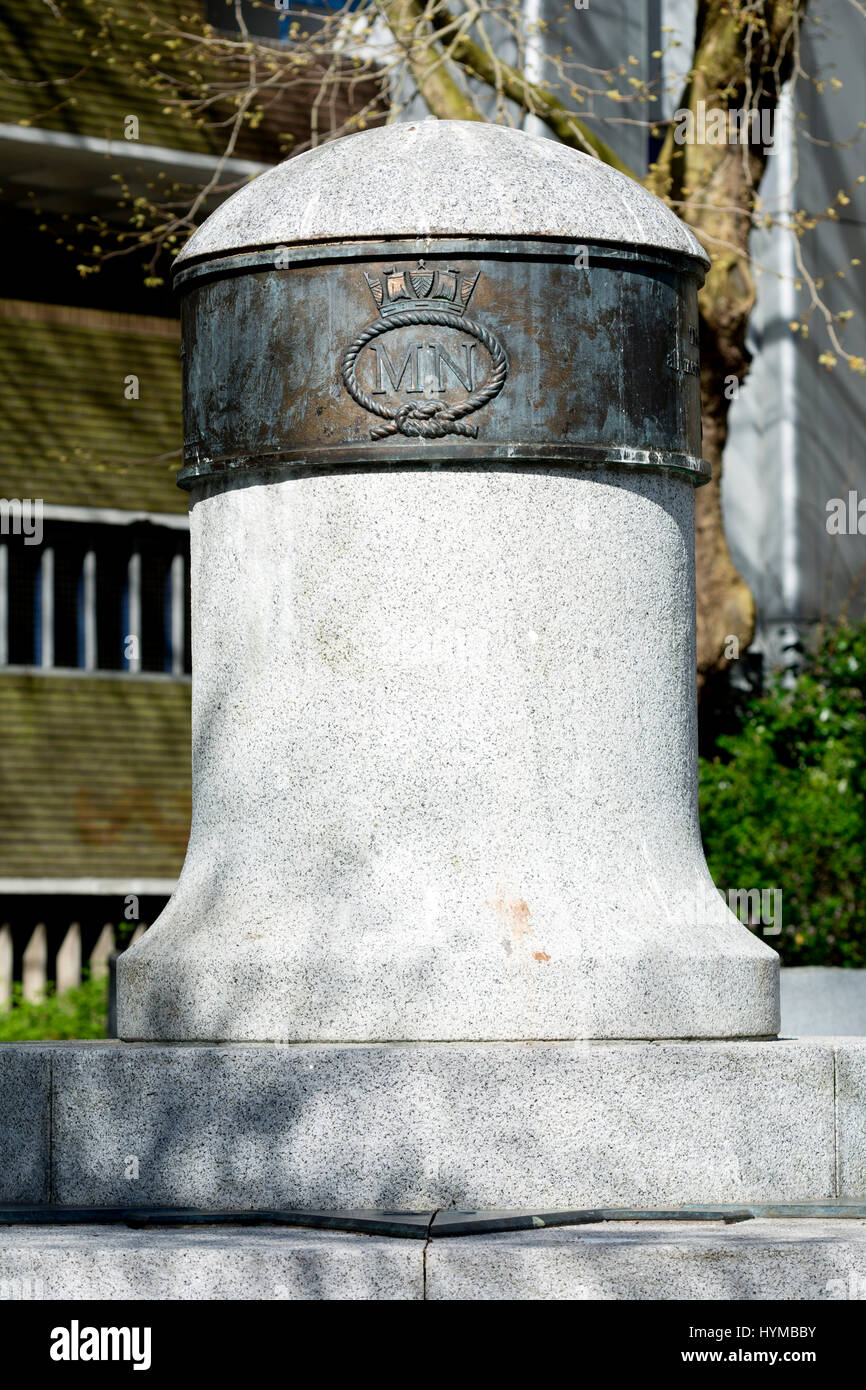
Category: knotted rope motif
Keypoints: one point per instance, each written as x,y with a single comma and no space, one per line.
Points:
427,419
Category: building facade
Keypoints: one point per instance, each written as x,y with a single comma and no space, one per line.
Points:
94,540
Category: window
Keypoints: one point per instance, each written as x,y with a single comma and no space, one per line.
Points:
271,20
96,597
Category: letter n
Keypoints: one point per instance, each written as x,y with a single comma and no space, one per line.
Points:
442,359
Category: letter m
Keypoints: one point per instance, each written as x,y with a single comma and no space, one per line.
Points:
111,1339
384,366
748,901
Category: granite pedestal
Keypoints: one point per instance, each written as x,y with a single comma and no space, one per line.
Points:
472,1126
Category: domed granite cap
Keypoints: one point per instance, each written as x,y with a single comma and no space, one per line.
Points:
439,179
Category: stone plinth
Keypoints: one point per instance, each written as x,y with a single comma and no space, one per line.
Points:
821,1000
411,1127
758,1260
106,1263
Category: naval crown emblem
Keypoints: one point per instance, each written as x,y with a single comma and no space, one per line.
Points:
397,291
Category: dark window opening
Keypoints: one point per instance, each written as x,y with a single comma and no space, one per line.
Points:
98,597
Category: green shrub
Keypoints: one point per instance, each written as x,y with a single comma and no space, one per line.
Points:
783,803
76,1013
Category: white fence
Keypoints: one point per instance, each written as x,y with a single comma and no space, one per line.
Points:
68,964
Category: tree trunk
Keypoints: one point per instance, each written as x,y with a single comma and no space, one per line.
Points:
743,54
726,607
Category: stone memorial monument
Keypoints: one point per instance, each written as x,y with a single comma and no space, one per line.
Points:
445,936
441,439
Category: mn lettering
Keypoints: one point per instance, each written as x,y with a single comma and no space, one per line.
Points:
443,369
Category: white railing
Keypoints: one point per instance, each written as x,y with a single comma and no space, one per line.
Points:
69,963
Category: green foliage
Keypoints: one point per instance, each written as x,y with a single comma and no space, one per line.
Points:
783,804
76,1013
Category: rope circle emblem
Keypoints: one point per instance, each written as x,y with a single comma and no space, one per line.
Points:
427,419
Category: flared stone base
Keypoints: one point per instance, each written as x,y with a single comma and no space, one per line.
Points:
445,771
717,983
